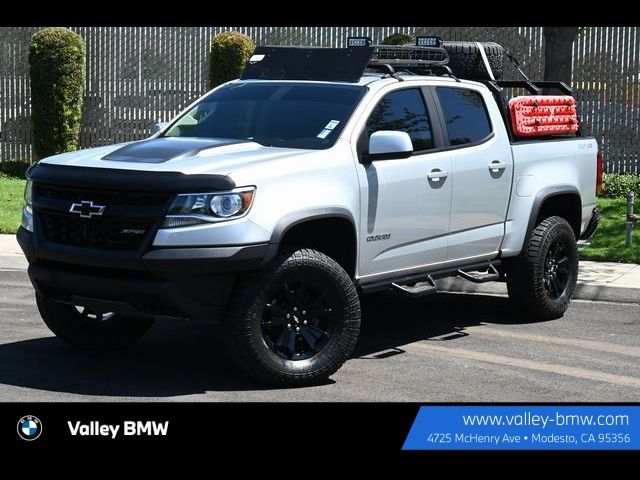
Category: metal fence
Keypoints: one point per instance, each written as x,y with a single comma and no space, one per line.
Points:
137,76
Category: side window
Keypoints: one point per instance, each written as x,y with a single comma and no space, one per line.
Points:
465,114
405,111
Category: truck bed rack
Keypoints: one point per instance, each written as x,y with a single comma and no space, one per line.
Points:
535,88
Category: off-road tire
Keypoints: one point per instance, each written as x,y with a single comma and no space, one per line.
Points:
252,317
526,274
466,61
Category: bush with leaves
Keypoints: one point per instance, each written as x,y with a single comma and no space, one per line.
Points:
56,68
13,169
230,52
398,39
617,186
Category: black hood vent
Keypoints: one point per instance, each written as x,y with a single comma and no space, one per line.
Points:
160,150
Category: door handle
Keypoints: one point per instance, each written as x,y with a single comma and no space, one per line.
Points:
436,174
496,166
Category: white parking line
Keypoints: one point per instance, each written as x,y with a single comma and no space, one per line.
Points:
422,348
489,332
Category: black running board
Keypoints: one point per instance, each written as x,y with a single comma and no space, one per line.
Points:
427,288
492,275
401,282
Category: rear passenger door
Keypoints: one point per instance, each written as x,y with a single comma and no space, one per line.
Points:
482,170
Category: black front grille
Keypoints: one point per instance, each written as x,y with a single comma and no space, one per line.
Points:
128,218
109,233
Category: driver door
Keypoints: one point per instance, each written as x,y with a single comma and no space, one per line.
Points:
405,202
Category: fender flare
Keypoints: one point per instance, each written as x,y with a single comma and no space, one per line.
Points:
296,218
542,196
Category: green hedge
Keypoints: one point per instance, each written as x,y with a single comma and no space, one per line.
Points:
617,186
13,169
398,39
56,68
230,52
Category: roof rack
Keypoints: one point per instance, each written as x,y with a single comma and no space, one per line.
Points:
307,63
426,57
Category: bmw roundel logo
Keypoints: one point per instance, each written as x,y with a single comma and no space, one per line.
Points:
29,428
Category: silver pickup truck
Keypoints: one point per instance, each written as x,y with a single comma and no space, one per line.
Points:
275,201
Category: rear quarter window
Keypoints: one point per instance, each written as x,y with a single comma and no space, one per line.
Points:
465,115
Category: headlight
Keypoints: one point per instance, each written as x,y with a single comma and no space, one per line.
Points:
197,208
27,210
226,205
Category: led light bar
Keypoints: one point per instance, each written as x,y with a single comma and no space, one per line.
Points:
358,41
428,41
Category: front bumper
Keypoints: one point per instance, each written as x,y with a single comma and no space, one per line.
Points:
592,226
166,282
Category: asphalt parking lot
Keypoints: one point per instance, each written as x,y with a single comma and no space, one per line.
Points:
448,347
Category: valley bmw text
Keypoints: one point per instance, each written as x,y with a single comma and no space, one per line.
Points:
128,428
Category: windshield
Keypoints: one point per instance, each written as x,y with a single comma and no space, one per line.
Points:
277,114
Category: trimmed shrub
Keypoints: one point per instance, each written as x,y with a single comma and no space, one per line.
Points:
56,68
230,52
398,39
13,169
617,186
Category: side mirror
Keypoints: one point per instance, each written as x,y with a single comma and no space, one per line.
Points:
158,126
389,145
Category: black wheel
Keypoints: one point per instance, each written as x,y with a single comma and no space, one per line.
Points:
296,323
542,281
466,61
82,328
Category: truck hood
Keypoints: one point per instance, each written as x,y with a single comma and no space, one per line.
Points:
185,155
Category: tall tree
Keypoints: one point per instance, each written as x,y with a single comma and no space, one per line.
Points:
557,52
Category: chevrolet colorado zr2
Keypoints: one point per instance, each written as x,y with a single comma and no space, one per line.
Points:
276,200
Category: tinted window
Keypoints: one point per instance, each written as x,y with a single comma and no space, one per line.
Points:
404,111
275,114
465,114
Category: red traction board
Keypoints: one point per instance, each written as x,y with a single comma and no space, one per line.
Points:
541,116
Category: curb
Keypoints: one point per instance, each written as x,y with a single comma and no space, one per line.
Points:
13,262
584,291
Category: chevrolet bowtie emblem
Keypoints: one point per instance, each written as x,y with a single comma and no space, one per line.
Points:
86,209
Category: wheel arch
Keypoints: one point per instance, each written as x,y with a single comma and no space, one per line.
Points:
561,200
330,230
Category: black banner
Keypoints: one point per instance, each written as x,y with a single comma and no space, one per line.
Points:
220,431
